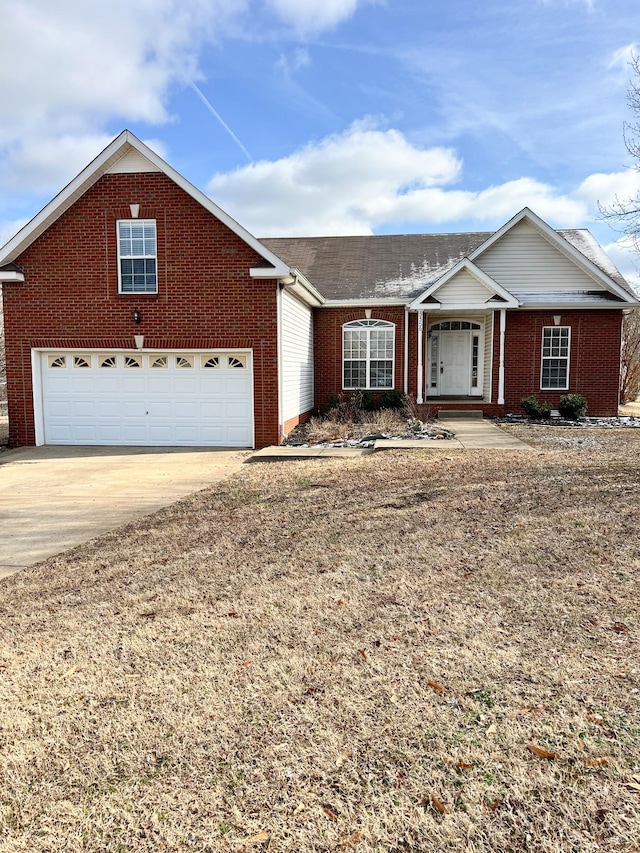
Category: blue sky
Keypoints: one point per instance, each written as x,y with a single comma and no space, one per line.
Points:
330,116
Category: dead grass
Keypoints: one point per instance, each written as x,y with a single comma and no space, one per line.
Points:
325,655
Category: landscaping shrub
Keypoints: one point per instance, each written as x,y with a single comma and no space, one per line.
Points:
392,400
535,410
572,406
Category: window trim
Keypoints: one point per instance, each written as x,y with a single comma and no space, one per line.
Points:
368,326
122,257
544,358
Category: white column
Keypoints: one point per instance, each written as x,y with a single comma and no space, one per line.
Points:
406,351
419,397
503,324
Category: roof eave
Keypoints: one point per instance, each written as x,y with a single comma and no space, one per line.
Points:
368,301
11,276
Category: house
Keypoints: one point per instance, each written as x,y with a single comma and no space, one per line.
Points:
137,312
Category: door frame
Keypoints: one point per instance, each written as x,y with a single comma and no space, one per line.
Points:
475,329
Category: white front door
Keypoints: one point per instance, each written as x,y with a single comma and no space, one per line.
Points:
455,363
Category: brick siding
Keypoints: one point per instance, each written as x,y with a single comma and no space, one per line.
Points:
594,358
206,298
327,338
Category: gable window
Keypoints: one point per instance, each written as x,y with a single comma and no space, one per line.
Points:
556,342
137,256
367,354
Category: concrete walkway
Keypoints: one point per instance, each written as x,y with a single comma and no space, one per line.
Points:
473,433
479,434
54,498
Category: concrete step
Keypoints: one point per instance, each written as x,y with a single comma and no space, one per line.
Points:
450,414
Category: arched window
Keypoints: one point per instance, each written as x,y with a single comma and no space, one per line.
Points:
367,354
453,326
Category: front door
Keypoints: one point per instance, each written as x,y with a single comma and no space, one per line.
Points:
455,363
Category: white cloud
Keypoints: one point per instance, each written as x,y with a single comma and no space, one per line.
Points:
604,189
289,64
624,254
622,57
68,67
72,62
366,179
9,227
588,4
314,16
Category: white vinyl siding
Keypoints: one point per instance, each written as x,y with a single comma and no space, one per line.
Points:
464,288
524,261
132,162
297,357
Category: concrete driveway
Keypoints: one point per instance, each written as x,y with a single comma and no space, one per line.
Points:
54,498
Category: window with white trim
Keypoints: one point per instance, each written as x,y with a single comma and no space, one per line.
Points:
556,344
137,256
367,354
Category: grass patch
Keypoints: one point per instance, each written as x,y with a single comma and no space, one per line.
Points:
377,655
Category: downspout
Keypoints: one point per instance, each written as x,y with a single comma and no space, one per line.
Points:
406,350
503,324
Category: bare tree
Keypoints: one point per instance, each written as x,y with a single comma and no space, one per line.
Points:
624,213
630,357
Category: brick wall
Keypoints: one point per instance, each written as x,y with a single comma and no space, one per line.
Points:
206,298
594,363
328,324
594,358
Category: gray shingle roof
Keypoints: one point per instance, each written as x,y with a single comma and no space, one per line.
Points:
401,266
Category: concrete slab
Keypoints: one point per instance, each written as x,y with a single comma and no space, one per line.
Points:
416,444
479,434
54,498
280,452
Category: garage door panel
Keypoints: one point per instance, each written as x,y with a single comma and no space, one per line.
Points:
60,409
238,436
59,384
133,409
81,385
111,383
61,434
112,402
236,410
161,385
109,434
185,387
85,434
107,409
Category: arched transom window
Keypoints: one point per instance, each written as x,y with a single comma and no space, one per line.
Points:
453,326
367,354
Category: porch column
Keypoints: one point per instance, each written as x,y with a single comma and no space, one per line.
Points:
503,324
419,397
406,351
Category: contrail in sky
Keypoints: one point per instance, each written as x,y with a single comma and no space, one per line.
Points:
217,115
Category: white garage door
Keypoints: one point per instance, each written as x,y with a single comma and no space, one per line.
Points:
195,399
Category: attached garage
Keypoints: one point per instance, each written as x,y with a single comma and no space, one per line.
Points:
133,397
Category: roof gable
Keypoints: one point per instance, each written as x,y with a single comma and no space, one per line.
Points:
465,286
526,255
125,154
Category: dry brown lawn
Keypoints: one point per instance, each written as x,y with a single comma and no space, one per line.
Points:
408,652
